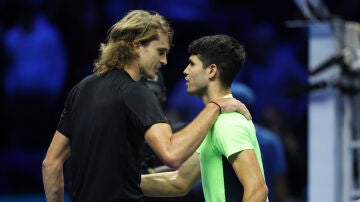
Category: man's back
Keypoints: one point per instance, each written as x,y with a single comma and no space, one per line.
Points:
105,123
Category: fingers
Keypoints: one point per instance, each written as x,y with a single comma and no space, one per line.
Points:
247,115
232,104
244,111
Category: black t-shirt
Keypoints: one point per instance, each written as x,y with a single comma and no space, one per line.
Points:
105,119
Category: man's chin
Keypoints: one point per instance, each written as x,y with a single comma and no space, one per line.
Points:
191,92
149,76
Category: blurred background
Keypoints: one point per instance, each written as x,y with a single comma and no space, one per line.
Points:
47,46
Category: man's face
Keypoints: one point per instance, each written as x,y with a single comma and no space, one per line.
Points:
153,56
196,76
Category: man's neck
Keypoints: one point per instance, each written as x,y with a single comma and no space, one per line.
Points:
133,70
215,92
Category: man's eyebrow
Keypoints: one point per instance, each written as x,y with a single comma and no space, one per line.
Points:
164,49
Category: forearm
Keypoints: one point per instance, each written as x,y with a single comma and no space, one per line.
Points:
175,183
258,194
162,185
186,141
52,167
53,180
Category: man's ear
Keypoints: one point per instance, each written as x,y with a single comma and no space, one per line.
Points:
136,45
213,70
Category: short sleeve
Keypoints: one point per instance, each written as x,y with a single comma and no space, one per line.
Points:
65,117
144,107
232,133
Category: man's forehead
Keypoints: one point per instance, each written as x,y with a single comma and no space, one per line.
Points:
164,41
161,44
194,58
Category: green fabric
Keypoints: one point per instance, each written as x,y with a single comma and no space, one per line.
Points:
231,133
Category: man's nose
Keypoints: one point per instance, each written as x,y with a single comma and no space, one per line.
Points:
163,60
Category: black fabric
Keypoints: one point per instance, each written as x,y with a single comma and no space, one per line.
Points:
234,190
105,119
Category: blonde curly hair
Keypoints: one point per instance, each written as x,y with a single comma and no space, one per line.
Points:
137,25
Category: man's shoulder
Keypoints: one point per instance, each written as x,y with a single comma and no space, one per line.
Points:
234,122
233,117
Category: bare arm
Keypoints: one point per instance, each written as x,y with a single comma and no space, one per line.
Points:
248,171
173,150
52,167
174,183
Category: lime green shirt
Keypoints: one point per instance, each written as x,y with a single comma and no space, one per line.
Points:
230,134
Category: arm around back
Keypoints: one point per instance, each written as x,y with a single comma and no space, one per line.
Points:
174,149
174,183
